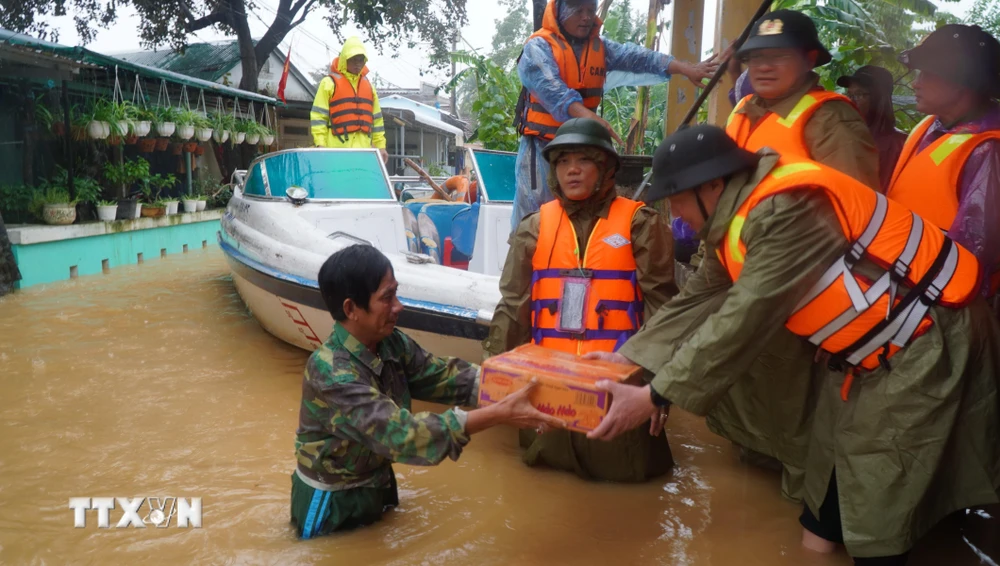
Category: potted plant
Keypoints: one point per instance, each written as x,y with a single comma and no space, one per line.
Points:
202,127
202,202
254,132
267,136
240,130
166,120
147,145
52,203
143,122
107,210
185,124
88,192
122,177
154,209
101,115
222,125
160,182
48,121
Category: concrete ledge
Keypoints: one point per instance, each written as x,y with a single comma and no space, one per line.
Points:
27,234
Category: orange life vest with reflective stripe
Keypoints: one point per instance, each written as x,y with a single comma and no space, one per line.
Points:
585,76
847,314
786,136
351,110
927,181
613,308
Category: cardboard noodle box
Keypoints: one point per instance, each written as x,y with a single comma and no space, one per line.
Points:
566,383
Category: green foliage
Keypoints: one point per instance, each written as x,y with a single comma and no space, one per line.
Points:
163,114
220,121
16,203
187,117
126,174
87,190
494,101
986,14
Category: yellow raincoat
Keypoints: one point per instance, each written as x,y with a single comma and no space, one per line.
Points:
319,117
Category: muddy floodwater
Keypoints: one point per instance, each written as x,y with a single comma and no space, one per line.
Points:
153,381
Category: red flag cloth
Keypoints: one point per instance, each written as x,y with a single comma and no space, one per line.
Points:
284,75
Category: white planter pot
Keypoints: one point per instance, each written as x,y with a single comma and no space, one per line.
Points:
202,204
95,130
252,139
220,137
172,206
166,129
141,129
138,210
123,127
106,126
267,139
59,214
238,137
203,134
190,205
107,213
185,131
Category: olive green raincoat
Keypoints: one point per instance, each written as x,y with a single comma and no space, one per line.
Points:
635,456
909,445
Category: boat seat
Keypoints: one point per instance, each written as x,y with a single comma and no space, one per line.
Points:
463,230
436,223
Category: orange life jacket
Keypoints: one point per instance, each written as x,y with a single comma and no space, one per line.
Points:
845,313
927,181
585,76
784,135
351,110
613,310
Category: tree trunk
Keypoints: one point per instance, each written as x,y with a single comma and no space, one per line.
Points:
248,55
539,11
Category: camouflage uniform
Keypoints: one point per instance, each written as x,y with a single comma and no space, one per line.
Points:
355,420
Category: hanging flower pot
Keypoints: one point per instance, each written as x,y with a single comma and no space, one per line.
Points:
185,131
199,151
267,139
165,129
203,134
220,136
176,148
189,147
252,139
238,137
114,140
131,139
95,130
141,128
162,143
106,127
123,127
147,145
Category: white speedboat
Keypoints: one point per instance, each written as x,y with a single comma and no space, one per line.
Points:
292,209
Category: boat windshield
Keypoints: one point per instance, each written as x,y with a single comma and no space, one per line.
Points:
325,174
496,169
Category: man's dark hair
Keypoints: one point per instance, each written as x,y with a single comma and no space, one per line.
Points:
352,273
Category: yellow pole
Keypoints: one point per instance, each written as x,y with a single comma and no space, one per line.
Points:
732,18
637,127
685,45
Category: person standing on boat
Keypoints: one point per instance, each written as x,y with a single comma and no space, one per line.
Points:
904,427
564,69
346,112
619,254
949,169
355,417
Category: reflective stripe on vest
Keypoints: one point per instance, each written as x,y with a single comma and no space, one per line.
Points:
927,182
614,306
351,110
859,322
586,76
784,135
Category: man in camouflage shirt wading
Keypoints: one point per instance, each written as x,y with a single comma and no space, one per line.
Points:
355,418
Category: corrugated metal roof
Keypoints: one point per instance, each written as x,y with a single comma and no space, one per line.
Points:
86,55
206,61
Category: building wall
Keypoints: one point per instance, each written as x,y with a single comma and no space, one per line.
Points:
270,76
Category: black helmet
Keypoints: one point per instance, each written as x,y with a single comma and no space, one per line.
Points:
693,156
960,54
582,131
785,28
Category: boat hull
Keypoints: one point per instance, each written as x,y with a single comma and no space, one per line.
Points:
292,309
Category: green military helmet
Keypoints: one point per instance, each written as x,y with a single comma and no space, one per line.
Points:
577,132
694,156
